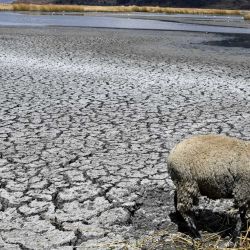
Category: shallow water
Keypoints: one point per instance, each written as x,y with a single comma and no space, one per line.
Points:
18,19
185,16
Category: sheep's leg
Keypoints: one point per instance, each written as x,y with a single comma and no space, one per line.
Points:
189,218
241,196
241,219
186,194
175,201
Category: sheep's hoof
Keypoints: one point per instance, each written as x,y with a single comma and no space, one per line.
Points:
197,242
196,234
198,238
230,244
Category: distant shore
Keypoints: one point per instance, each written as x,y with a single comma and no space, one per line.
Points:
133,8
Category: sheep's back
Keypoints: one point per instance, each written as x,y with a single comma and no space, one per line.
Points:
215,162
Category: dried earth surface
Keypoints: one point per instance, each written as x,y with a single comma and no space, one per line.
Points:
87,119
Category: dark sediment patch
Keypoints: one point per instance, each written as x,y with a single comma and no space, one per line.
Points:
241,41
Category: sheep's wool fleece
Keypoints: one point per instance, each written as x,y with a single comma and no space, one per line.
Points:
220,165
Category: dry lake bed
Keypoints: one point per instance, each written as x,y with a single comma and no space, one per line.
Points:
87,119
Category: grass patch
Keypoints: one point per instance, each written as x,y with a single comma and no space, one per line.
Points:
163,240
133,8
210,241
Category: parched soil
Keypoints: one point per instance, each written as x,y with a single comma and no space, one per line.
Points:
87,119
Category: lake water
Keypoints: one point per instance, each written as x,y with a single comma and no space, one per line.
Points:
19,19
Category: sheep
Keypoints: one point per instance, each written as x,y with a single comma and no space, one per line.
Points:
215,166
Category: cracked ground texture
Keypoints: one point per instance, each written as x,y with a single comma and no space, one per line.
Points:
87,119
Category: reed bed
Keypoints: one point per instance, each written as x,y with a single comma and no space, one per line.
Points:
5,7
246,16
48,8
133,8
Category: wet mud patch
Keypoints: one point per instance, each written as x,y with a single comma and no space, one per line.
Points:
240,41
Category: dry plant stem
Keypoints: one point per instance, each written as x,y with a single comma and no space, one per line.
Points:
210,242
245,240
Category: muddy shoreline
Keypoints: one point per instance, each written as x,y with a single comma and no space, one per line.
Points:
215,20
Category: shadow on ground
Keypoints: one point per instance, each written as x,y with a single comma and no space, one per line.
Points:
216,228
208,221
241,41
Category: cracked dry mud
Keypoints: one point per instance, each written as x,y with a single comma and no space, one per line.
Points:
87,119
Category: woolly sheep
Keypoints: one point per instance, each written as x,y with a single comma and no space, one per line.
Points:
215,166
